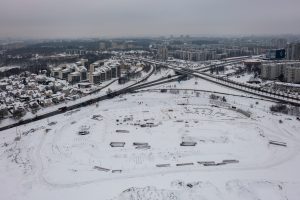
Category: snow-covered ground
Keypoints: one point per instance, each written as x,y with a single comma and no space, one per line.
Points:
244,78
49,159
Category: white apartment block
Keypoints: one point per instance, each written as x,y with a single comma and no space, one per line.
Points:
290,71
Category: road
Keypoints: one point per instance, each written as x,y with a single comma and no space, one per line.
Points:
200,73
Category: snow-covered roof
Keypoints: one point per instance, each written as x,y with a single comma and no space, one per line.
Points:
97,73
56,69
81,69
75,74
84,84
3,83
66,70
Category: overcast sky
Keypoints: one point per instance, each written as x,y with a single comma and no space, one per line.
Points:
112,18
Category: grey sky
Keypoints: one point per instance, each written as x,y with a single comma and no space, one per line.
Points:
96,18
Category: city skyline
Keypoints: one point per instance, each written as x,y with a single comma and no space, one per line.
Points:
75,19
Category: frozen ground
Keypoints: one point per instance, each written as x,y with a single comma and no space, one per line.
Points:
49,159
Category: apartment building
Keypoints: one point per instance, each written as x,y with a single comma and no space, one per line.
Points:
104,70
71,72
163,52
293,51
292,74
289,71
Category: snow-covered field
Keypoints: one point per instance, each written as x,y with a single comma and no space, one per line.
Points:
49,159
